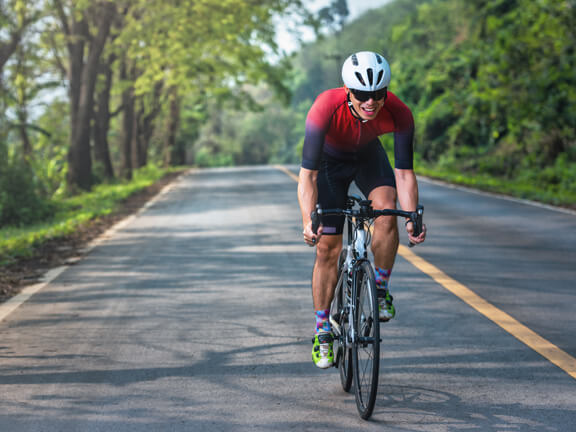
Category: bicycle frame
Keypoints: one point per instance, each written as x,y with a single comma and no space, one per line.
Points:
352,321
356,249
359,237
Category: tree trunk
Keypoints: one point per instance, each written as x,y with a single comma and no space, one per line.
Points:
82,77
173,123
102,121
147,122
136,134
127,125
23,132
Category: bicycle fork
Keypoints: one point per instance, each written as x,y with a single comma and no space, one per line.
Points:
347,336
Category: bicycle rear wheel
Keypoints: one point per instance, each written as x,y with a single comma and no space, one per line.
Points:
345,364
366,346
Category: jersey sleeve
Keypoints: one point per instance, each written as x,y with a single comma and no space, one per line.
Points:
317,124
403,132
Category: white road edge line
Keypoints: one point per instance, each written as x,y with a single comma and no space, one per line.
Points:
19,299
499,196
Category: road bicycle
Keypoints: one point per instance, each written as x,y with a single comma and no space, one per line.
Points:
354,310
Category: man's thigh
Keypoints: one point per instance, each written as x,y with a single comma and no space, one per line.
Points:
334,178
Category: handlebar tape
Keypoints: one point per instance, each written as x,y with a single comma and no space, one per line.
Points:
316,217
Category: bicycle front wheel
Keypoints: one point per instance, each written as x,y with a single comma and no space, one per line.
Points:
366,344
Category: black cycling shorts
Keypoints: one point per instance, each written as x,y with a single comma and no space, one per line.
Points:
369,169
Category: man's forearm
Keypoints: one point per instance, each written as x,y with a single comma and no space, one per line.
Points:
407,188
307,193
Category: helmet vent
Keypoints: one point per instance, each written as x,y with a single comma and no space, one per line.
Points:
380,75
370,74
354,60
360,78
379,60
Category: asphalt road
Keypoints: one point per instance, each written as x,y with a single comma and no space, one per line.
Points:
197,316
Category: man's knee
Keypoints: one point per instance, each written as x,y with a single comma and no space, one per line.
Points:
386,224
328,250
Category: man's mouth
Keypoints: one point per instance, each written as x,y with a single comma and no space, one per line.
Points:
369,111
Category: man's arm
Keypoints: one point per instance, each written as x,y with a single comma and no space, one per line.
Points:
308,197
407,187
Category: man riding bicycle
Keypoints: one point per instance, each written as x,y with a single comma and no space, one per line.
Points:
341,145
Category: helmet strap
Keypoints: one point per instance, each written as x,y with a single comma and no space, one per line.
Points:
353,110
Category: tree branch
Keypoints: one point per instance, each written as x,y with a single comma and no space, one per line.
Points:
62,15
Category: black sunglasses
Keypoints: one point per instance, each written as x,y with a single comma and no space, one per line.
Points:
363,96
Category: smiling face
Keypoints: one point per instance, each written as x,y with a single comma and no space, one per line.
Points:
367,110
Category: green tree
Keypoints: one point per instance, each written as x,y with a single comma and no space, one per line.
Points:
86,26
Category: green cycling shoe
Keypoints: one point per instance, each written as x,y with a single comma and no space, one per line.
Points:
386,310
323,350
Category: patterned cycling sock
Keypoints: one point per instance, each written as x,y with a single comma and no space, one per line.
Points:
322,322
382,276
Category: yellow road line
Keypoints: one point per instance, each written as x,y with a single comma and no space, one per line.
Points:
287,172
533,340
528,337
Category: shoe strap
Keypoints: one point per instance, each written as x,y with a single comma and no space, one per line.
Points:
324,338
381,292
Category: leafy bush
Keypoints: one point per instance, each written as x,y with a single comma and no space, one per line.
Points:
70,213
20,203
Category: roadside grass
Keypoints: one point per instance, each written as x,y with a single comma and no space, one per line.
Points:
557,194
75,212
554,185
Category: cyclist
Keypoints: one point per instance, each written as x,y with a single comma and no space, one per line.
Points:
341,145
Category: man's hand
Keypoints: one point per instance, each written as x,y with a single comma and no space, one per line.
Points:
310,238
410,230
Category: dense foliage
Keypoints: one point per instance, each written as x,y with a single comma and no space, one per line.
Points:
495,90
491,83
73,214
92,90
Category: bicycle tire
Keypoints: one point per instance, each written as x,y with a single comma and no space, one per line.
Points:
366,346
344,352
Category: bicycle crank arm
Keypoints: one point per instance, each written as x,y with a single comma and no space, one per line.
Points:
335,326
367,340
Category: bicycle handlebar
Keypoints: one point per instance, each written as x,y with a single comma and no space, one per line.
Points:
366,212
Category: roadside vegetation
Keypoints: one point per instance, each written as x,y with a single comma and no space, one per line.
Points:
99,99
71,213
491,84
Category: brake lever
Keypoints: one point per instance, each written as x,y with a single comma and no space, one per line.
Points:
417,220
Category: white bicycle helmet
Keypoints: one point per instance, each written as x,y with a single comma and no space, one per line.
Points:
366,71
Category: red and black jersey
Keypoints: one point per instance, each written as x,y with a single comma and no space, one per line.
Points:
331,128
